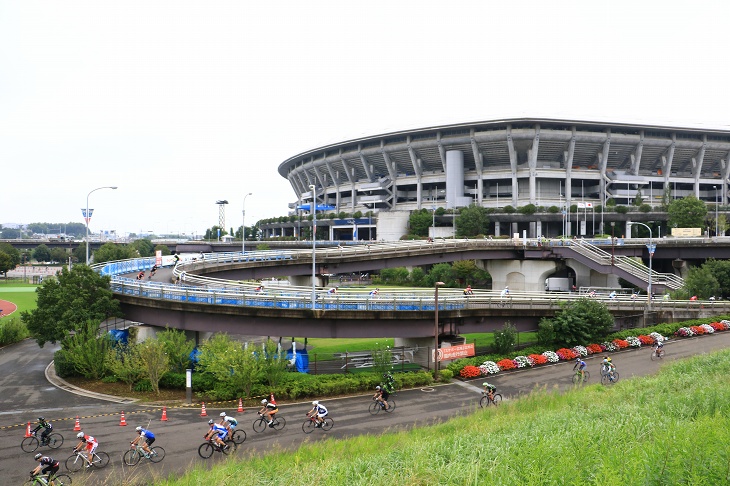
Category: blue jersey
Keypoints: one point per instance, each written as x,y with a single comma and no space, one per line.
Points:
220,430
147,434
581,364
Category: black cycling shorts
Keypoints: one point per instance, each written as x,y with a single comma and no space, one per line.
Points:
53,468
149,441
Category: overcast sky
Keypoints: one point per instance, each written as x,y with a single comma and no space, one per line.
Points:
182,103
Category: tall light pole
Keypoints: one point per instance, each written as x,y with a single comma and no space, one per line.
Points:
87,217
717,221
651,249
243,225
436,330
314,241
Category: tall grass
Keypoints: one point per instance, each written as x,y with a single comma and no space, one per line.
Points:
672,428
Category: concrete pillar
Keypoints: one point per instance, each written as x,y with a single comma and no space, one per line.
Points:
497,228
519,275
424,346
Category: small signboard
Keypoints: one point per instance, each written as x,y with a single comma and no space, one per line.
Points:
686,232
455,352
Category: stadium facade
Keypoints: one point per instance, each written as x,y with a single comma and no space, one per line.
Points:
513,162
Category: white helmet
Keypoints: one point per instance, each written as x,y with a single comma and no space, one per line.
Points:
315,403
210,422
223,414
264,401
377,387
138,428
80,435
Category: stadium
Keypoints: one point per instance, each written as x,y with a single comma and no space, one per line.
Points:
551,164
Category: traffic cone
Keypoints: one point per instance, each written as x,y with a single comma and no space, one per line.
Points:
77,425
202,411
27,431
123,421
164,414
240,405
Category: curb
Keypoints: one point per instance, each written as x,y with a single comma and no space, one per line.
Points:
62,384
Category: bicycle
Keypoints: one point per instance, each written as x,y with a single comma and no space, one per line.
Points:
486,400
577,377
30,444
137,452
260,424
377,406
311,423
609,377
209,447
505,302
76,461
44,480
657,354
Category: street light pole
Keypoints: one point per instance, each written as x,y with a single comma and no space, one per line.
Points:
436,330
87,218
243,225
651,248
314,241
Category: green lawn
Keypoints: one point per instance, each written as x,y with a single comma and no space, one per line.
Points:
671,428
22,295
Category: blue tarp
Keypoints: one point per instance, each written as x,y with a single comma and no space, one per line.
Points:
320,207
119,336
302,361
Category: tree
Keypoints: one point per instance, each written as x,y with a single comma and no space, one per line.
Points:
156,362
6,263
212,233
394,276
178,348
472,221
505,338
581,321
419,222
466,271
382,357
418,277
41,253
126,364
87,351
13,253
143,247
110,252
688,212
442,272
273,364
59,255
69,300
701,282
163,249
230,362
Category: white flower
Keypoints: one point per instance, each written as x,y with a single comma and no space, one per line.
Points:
708,328
551,356
489,368
633,341
581,350
522,362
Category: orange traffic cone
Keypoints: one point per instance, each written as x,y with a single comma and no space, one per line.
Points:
77,425
240,405
123,421
27,431
164,414
202,411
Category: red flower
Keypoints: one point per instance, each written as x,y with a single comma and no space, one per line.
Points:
506,364
470,371
697,330
594,348
538,359
645,340
566,354
621,343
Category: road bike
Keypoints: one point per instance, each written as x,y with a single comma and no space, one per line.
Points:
43,480
377,406
238,436
505,302
487,400
311,423
609,377
577,378
78,459
657,354
137,452
54,441
210,446
260,424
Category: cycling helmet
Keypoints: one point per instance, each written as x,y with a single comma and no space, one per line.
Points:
80,435
264,401
377,387
315,403
138,428
223,414
577,360
210,422
38,456
485,384
608,359
41,418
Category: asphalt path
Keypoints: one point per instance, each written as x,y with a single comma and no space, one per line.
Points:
25,395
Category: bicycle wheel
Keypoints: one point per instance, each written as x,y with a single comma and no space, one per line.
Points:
328,423
497,399
374,408
75,463
232,446
308,426
239,436
158,454
259,425
62,480
484,401
576,378
614,377
131,457
101,459
586,375
206,450
661,354
279,423
29,444
55,441
391,406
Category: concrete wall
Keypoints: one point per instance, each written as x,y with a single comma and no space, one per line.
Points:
526,276
392,225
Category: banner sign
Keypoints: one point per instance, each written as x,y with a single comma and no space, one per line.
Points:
686,232
87,218
454,352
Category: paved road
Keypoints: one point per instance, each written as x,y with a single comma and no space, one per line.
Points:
181,435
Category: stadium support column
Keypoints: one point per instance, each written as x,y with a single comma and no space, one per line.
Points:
513,164
455,179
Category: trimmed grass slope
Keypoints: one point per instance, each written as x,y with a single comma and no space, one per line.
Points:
672,428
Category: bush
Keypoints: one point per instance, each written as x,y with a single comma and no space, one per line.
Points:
505,338
622,209
64,368
110,379
509,209
528,209
645,208
143,386
446,375
12,331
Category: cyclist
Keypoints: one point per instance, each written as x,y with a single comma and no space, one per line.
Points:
268,409
607,366
581,365
146,437
48,465
388,382
468,290
381,395
505,292
228,422
218,433
320,411
489,389
48,428
658,346
91,445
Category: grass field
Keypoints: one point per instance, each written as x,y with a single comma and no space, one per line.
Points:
22,295
672,428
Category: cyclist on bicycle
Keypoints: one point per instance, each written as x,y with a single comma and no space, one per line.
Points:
48,428
146,437
505,292
217,433
607,366
381,395
388,382
228,422
91,445
489,389
318,411
581,365
268,409
658,346
48,465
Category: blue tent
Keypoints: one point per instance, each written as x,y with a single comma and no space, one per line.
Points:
119,336
302,360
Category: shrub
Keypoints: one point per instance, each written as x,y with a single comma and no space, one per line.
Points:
64,368
508,209
143,386
446,375
504,339
12,331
